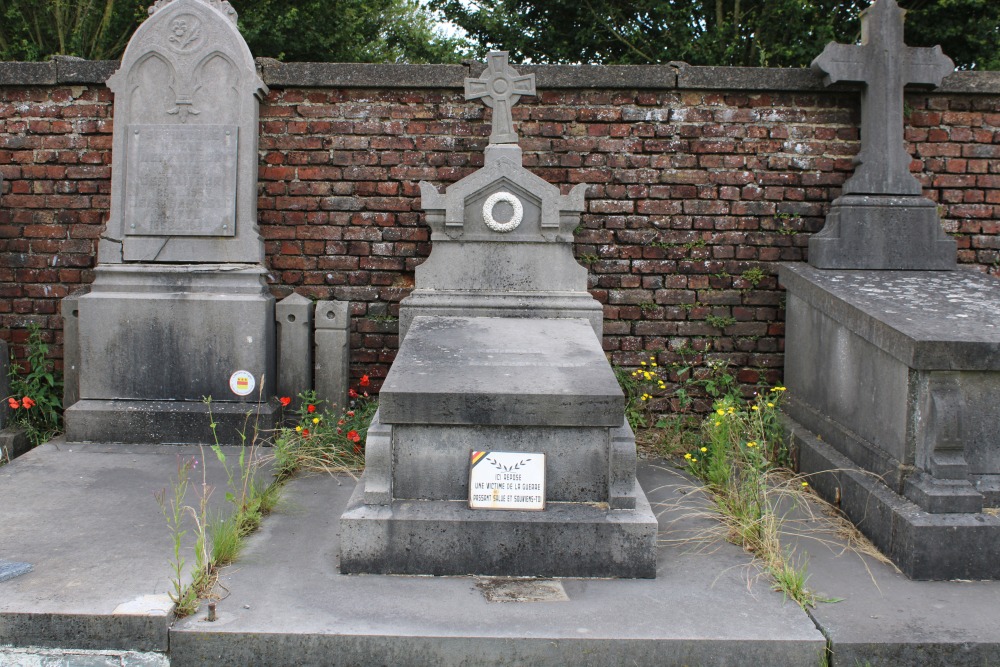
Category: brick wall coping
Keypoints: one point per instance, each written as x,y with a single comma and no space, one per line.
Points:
63,70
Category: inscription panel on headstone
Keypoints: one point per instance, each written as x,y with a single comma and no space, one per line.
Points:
507,481
180,180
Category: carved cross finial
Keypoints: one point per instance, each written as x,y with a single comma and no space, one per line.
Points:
500,87
885,64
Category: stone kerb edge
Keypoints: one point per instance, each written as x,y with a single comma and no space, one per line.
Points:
679,76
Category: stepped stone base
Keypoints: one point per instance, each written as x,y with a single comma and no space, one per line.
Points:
168,422
447,538
148,343
892,379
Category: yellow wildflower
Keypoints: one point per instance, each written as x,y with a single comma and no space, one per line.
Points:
315,420
754,408
704,449
751,444
732,410
720,411
718,423
770,405
804,484
642,363
298,428
687,456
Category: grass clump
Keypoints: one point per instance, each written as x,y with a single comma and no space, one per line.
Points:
320,439
743,460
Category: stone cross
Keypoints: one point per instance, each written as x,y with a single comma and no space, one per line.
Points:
885,64
500,87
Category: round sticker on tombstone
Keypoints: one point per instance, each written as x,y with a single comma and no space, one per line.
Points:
242,383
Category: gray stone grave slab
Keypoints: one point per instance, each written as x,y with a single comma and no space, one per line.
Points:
179,302
501,371
184,152
882,203
897,372
499,353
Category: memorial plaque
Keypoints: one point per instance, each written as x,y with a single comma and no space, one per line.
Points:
507,481
181,180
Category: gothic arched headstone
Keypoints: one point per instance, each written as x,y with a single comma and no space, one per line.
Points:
179,309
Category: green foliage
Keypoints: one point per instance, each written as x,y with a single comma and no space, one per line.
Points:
742,459
41,414
775,33
720,321
174,509
753,275
310,30
968,31
639,386
400,31
92,29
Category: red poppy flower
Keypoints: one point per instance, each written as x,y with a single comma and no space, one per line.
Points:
27,403
285,400
350,413
353,436
305,433
352,393
364,381
12,402
311,408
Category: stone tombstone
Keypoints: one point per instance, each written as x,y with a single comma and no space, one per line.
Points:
881,221
179,306
502,237
184,161
893,374
501,352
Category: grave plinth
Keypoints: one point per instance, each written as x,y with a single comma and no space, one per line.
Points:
898,374
892,357
179,305
500,357
464,384
158,339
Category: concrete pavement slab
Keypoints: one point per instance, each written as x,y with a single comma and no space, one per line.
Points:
885,619
84,516
286,603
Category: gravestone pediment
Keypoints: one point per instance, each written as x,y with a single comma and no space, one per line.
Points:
461,214
185,150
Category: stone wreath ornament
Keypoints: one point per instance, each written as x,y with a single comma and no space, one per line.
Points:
515,219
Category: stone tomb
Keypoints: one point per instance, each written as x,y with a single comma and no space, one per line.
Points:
893,374
501,353
179,301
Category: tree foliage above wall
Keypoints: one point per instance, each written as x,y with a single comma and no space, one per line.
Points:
775,33
292,30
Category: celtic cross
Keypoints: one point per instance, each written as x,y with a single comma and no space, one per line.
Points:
500,87
885,64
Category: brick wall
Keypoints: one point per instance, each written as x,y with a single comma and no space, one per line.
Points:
701,181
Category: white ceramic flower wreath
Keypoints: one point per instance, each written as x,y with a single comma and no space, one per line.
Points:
515,219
